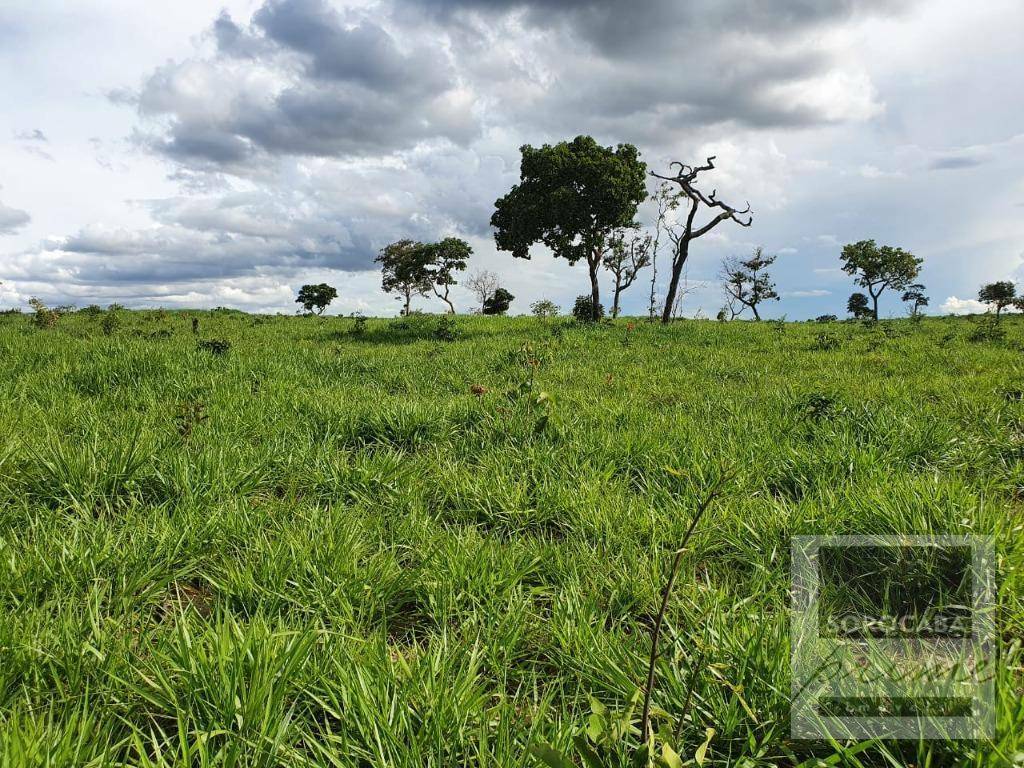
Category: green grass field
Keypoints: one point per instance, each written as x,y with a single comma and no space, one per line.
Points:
323,547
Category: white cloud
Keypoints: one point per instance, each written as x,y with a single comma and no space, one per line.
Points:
813,293
957,306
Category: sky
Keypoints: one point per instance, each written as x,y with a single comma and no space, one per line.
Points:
197,154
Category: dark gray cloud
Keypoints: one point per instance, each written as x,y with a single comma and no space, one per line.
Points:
614,27
12,219
956,162
301,79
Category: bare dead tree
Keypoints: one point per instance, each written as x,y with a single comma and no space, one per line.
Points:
664,199
625,256
690,200
483,284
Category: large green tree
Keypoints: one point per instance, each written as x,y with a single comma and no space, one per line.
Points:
443,260
406,270
879,267
571,196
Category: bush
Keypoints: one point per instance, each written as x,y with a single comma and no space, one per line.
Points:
43,316
585,312
544,308
445,330
988,330
826,319
111,322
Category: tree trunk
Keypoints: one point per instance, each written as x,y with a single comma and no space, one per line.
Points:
408,302
446,300
753,308
595,288
618,292
673,285
874,305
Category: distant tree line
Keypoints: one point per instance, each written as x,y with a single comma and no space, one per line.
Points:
580,199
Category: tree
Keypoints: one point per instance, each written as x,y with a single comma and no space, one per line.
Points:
999,295
445,259
747,281
498,303
406,266
483,284
316,297
858,306
625,257
877,268
915,297
683,232
571,197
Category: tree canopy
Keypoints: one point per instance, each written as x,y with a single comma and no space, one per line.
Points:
747,282
998,295
316,297
571,196
498,303
879,267
406,270
442,261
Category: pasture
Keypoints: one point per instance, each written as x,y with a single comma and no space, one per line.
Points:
424,542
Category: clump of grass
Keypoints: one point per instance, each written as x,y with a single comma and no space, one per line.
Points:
218,347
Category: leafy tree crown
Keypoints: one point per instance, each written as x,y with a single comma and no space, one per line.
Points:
570,197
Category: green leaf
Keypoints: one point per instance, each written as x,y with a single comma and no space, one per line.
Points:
550,756
590,757
670,758
702,750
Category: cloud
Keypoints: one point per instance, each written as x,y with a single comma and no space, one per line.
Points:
12,219
957,306
301,79
34,135
814,293
956,162
30,142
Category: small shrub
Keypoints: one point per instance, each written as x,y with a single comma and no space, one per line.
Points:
584,310
43,316
446,329
93,310
359,327
544,309
988,330
826,319
110,323
219,347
